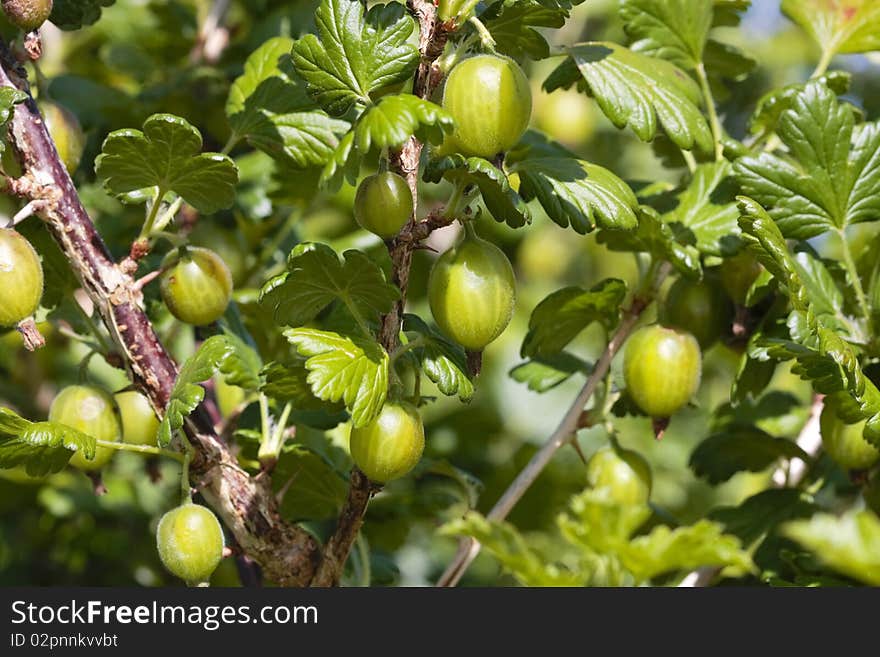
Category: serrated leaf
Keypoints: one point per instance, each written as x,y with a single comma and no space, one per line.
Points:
288,383
167,156
242,364
507,545
395,118
656,237
596,522
666,550
442,361
351,370
545,373
849,26
187,394
832,179
707,210
9,98
577,193
822,355
41,447
354,54
75,14
674,30
849,544
637,91
560,317
271,109
512,24
762,513
738,449
501,200
316,277
772,104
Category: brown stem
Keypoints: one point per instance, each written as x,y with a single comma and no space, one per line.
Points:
433,35
247,506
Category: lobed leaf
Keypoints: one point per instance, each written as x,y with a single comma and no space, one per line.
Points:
351,370
166,156
442,361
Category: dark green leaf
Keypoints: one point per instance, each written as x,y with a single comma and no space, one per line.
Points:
723,455
75,14
353,54
167,156
545,373
762,513
316,277
559,318
639,92
442,361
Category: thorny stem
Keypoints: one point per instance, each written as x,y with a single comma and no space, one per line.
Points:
567,428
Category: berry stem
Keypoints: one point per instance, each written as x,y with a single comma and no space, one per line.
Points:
142,449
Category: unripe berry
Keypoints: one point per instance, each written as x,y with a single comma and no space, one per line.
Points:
391,445
92,411
190,543
21,278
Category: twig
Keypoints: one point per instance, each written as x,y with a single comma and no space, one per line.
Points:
787,475
564,433
287,553
433,35
213,37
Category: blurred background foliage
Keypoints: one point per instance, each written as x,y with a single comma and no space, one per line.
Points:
136,61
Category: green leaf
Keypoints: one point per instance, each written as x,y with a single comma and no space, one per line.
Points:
242,364
318,489
707,210
270,108
41,447
288,383
512,24
351,370
354,54
395,118
224,353
577,193
502,202
846,27
667,550
560,317
506,544
832,179
9,98
637,91
75,14
656,237
822,355
442,361
316,277
674,30
762,513
167,156
545,373
770,107
740,448
849,544
595,522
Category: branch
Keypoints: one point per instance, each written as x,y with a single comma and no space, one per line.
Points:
564,434
787,475
287,553
433,35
